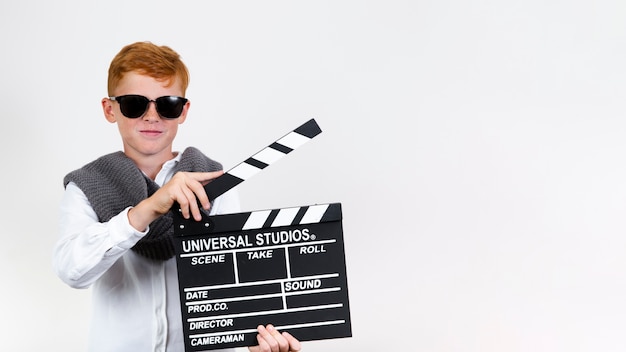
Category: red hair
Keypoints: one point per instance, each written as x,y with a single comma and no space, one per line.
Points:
159,62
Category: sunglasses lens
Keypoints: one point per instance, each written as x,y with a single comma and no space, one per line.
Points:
170,107
133,106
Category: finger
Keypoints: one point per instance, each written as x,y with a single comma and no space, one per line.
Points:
190,185
192,202
263,345
198,194
177,195
283,344
206,177
294,344
266,334
203,178
186,199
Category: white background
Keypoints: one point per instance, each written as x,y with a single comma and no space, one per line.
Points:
477,148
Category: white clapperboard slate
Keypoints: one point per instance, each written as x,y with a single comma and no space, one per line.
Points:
284,267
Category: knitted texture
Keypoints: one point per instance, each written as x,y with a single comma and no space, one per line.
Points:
113,182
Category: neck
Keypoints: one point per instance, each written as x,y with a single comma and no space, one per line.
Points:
151,164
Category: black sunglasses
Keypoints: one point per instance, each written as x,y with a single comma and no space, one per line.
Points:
134,106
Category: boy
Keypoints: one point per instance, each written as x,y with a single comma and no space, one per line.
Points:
115,222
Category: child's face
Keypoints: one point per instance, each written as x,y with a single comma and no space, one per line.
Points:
149,135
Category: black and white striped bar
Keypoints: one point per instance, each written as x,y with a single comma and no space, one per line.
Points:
284,267
262,219
262,159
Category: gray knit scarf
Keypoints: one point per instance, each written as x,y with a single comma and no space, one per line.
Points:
113,182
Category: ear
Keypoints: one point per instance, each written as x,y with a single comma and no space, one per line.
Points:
183,115
107,108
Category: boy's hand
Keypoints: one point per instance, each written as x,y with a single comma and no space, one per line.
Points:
271,340
185,188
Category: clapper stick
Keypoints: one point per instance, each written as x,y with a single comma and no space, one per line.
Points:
262,159
259,161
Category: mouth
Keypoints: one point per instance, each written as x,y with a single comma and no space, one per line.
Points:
150,133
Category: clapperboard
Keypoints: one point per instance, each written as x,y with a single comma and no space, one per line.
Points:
284,267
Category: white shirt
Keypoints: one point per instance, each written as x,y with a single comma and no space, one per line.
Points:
136,304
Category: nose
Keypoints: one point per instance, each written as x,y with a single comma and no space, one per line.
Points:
151,113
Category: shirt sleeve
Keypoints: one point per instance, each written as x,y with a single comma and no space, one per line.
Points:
86,248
